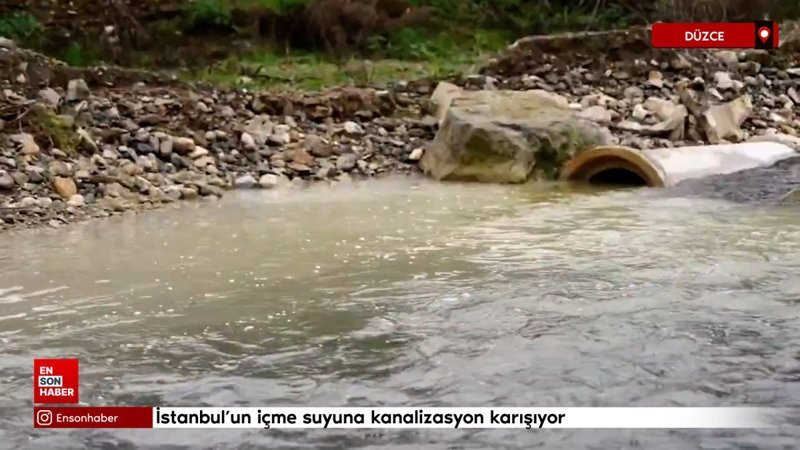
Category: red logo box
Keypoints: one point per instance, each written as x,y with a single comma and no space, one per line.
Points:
55,381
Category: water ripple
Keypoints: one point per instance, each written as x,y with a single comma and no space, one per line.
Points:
403,293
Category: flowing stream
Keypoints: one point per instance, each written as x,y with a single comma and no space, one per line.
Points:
404,292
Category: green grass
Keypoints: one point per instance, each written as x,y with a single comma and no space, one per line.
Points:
22,26
77,55
408,55
209,13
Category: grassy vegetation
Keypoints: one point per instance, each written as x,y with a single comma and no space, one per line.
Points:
464,34
60,133
474,30
408,55
23,27
78,55
208,13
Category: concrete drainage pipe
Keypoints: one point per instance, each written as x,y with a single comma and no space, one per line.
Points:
668,166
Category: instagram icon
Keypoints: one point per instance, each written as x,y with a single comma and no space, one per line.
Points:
44,417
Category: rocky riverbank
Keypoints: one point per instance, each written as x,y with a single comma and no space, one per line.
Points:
82,150
77,144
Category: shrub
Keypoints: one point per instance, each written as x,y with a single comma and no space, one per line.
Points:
215,13
276,6
21,26
77,55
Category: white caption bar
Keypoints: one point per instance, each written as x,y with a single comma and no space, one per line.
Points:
483,417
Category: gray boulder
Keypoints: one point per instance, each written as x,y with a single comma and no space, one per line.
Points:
508,137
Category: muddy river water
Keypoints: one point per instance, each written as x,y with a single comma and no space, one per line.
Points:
403,292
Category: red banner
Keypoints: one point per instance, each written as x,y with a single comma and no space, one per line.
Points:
93,417
55,380
763,34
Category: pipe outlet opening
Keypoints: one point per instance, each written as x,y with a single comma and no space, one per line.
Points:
617,166
617,177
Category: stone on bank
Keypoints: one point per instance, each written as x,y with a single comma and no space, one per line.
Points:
508,137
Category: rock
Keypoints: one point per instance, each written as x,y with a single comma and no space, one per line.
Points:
315,146
144,148
85,141
727,57
59,169
7,43
549,97
353,128
77,90
115,204
268,181
198,152
244,182
662,109
441,98
792,197
189,192
149,120
202,107
346,162
260,128
781,116
299,168
633,92
64,187
227,111
640,112
506,136
115,190
300,156
183,145
279,138
35,174
172,192
596,114
723,80
158,195
20,178
76,201
416,154
203,161
28,202
6,181
325,171
680,62
129,168
165,148
113,113
672,126
724,121
27,143
248,143
655,79
49,97
793,95
209,189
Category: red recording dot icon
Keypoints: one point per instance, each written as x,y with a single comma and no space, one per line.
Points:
764,33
